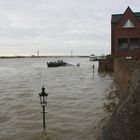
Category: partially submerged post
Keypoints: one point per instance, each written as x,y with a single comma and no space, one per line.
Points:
43,102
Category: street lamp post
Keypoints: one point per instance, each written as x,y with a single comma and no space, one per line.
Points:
43,102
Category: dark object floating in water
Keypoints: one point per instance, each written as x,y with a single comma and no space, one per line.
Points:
58,63
78,64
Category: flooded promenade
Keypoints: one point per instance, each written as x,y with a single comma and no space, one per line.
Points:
75,101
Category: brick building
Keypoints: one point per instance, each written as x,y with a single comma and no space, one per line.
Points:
125,34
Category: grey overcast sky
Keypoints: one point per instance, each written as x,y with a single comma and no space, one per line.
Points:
55,27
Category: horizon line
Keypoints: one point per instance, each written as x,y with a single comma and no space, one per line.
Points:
42,56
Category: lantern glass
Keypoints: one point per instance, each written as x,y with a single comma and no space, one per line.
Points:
43,100
43,97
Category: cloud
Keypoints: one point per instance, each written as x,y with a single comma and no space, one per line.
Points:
58,26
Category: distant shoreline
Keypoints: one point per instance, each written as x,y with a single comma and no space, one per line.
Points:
11,57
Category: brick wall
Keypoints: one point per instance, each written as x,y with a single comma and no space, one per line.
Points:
123,70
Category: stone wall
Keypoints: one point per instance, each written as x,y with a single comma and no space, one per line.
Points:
106,64
124,123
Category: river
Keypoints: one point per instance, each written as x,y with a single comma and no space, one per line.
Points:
75,100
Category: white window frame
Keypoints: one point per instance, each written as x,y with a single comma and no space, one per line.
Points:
128,24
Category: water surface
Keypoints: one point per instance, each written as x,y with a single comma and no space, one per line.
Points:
75,101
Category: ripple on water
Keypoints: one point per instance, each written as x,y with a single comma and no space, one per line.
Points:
74,102
4,118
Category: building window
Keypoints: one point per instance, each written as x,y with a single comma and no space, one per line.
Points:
122,43
134,43
128,24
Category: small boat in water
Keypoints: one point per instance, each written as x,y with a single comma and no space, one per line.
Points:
92,57
57,63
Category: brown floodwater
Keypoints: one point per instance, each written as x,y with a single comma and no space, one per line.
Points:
75,101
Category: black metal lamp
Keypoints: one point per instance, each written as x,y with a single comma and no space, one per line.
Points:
43,101
43,97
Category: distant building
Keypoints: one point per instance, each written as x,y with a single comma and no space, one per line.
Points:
125,34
